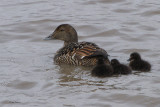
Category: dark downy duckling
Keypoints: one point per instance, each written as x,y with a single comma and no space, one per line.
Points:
74,52
138,64
102,69
120,68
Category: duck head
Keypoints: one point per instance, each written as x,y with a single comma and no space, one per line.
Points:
64,32
134,56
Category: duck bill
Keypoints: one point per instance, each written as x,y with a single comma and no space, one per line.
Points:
129,59
49,37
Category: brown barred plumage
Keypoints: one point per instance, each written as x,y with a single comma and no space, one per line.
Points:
79,54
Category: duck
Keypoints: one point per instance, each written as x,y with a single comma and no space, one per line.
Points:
137,63
119,68
102,69
74,52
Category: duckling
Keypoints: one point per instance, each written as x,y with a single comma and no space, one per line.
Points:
102,69
120,68
138,64
74,52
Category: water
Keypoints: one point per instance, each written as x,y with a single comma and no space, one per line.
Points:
27,73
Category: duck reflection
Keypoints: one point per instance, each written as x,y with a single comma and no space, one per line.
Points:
72,73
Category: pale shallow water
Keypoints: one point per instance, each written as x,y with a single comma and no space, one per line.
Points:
28,76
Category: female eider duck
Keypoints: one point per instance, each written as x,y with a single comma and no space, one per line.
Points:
74,52
138,64
102,69
120,68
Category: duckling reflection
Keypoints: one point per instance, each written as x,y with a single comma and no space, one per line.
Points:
120,68
102,69
138,64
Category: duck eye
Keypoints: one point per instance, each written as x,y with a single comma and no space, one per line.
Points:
62,30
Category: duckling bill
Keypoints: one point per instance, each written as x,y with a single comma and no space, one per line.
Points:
74,52
120,68
102,69
138,64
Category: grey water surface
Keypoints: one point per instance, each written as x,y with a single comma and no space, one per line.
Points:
29,77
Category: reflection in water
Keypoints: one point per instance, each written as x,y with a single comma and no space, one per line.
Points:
70,73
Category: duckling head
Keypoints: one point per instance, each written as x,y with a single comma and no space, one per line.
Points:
115,62
134,56
102,69
101,60
64,32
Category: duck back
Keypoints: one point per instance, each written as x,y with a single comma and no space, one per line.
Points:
80,53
